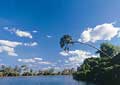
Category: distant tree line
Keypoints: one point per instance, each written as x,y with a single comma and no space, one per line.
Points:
7,71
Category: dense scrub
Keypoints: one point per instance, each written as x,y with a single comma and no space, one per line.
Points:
103,70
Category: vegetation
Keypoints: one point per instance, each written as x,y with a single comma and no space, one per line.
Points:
104,70
109,49
65,41
6,71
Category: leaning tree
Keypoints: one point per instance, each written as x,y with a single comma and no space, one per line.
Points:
66,41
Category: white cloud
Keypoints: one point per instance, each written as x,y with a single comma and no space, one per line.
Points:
10,43
45,62
12,54
9,47
31,44
23,33
39,59
66,61
63,53
27,60
77,57
5,28
48,36
34,31
18,32
10,51
35,60
30,60
105,31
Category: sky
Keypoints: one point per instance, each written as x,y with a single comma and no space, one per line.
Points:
30,30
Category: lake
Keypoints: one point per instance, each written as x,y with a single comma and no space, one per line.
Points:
40,80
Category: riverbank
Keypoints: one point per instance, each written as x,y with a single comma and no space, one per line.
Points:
102,70
24,70
31,76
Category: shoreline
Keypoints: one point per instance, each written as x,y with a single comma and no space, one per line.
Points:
30,76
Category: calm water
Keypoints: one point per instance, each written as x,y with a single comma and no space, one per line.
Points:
41,80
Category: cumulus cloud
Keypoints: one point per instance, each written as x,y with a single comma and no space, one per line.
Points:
35,60
8,47
105,31
63,53
10,43
10,51
18,32
31,44
76,57
23,33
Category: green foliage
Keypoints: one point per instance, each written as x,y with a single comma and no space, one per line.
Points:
24,70
65,41
102,70
109,49
116,59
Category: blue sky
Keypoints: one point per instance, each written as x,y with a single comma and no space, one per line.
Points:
46,21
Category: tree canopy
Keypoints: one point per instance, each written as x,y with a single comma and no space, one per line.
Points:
65,41
102,70
109,49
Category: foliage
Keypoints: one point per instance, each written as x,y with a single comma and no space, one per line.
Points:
109,49
65,41
102,70
24,70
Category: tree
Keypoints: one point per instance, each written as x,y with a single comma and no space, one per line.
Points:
3,67
17,69
67,40
104,70
24,68
101,70
116,59
108,48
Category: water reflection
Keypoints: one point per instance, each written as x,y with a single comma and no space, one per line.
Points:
41,80
85,83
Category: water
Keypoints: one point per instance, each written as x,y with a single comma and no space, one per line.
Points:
41,80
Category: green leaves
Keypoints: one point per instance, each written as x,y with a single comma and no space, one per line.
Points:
109,49
65,41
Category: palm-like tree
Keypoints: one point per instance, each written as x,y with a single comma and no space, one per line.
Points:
67,40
